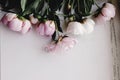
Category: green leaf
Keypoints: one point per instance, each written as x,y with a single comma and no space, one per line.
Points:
57,20
23,4
54,4
54,36
32,8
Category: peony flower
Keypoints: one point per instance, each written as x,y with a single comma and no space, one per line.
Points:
107,12
47,28
77,28
110,7
63,44
16,24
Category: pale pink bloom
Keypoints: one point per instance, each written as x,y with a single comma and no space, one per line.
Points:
64,45
33,20
8,17
26,26
15,24
46,29
107,12
110,7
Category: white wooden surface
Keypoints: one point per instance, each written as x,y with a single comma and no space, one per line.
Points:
95,57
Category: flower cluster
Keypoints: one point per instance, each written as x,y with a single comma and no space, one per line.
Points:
47,23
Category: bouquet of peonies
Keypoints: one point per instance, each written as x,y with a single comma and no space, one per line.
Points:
45,17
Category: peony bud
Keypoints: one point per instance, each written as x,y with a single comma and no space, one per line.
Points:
107,12
16,24
77,28
47,28
110,7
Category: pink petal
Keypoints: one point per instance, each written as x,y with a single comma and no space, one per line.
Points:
15,24
68,43
4,20
41,29
51,47
49,28
109,6
26,26
33,20
100,19
8,17
107,12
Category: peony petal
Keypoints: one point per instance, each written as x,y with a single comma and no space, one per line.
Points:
15,24
33,20
100,19
111,7
41,29
8,17
26,26
49,28
68,43
75,28
89,25
107,12
50,47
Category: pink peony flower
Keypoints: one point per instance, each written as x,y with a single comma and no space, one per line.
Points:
64,44
107,12
16,24
46,29
111,7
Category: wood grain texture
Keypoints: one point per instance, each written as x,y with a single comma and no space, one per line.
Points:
115,41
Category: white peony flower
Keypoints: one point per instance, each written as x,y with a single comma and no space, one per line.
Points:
77,28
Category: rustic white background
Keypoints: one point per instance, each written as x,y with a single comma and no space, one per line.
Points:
95,57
